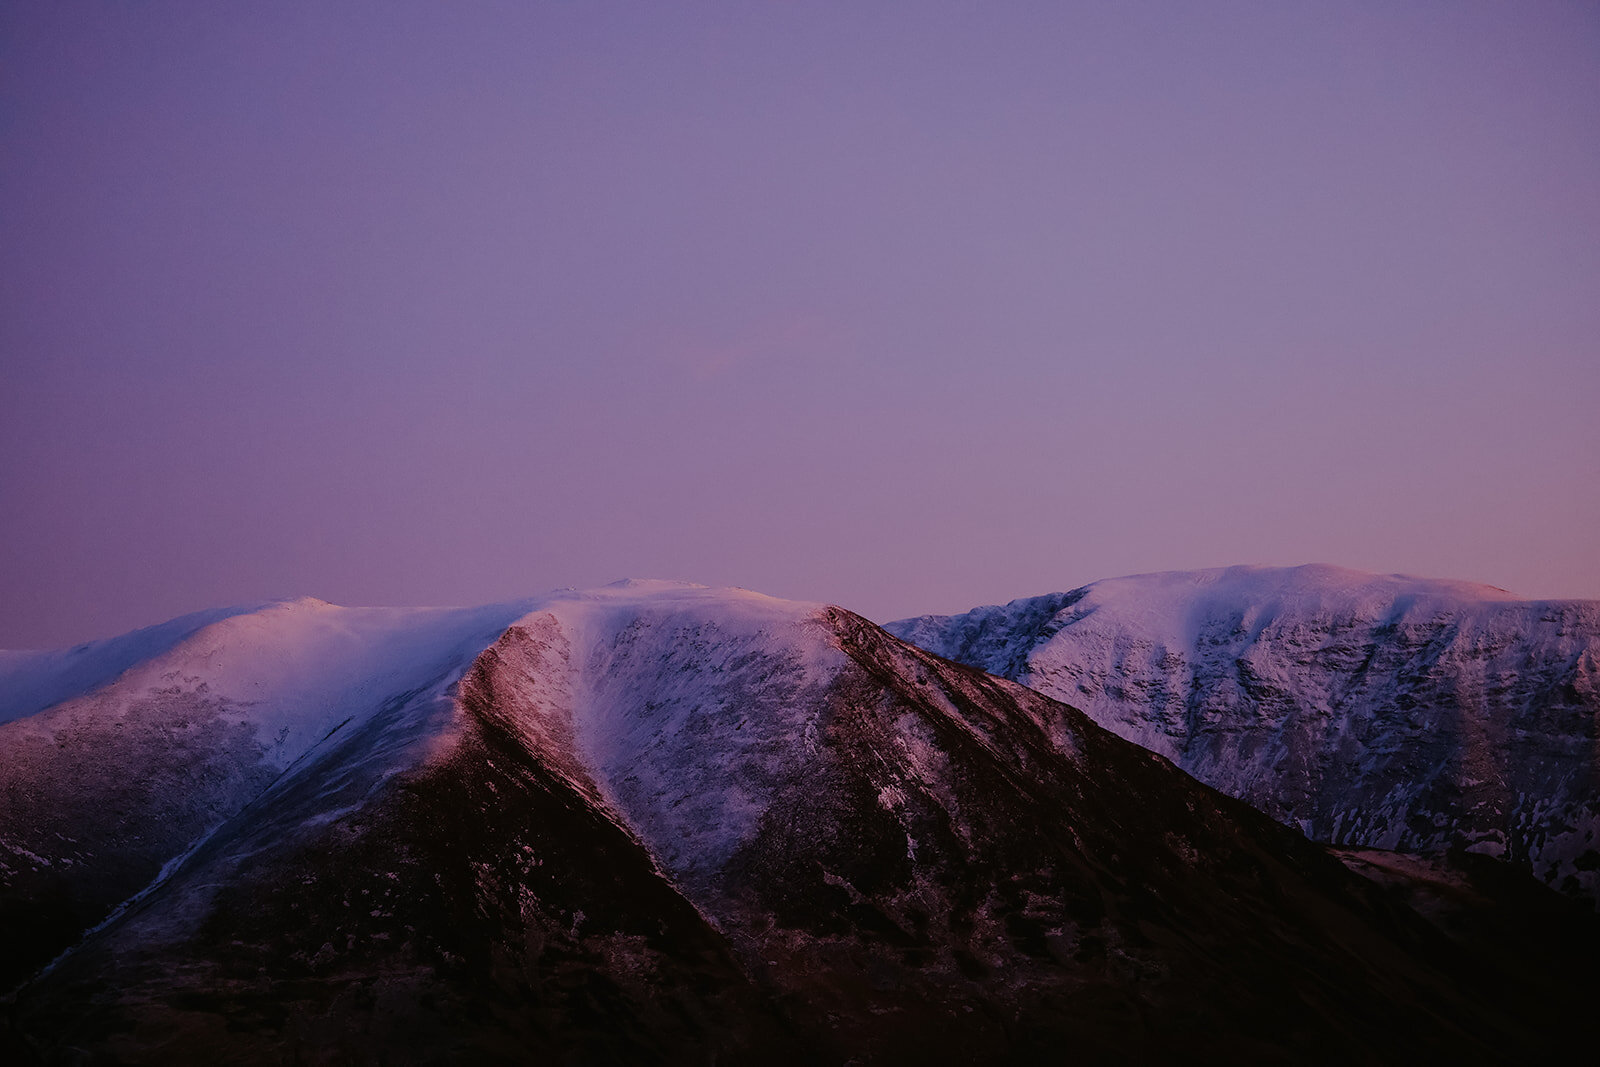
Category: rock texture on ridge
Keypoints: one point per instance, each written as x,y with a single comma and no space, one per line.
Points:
1367,710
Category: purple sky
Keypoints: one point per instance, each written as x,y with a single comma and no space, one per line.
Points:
908,307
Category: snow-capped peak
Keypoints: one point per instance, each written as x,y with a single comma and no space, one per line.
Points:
1380,710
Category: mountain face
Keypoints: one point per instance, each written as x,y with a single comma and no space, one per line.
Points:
1381,711
663,823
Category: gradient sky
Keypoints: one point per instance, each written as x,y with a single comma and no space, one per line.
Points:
905,306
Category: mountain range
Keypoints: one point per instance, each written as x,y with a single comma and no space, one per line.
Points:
658,822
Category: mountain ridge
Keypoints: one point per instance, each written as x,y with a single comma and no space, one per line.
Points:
666,823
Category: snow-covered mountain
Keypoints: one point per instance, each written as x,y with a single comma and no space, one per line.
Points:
1374,710
659,822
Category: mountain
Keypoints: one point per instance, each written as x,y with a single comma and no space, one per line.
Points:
663,823
1367,710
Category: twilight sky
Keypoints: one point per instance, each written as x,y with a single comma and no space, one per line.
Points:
905,306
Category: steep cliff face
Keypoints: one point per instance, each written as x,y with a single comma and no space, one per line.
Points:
662,823
1370,710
